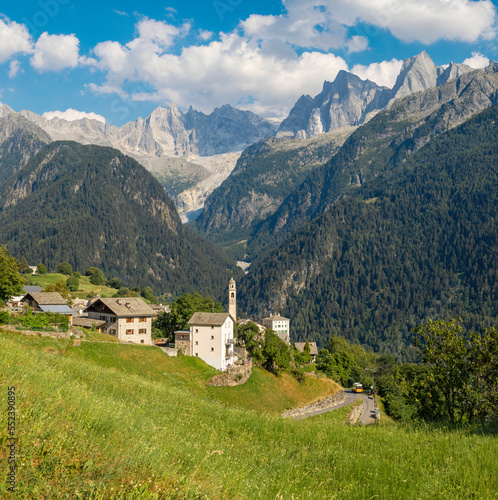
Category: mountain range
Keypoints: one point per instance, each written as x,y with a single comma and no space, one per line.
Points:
93,206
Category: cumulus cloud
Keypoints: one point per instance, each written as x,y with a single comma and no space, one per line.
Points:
55,52
14,39
72,115
14,68
383,73
271,74
477,61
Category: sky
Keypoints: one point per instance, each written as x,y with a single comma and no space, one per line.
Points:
118,60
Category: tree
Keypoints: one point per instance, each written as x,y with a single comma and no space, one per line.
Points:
147,294
11,282
24,267
461,370
276,353
62,288
41,269
73,283
182,310
97,277
65,268
249,336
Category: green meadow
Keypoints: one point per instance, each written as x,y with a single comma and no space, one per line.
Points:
110,421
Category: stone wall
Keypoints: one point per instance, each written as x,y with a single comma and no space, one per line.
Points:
356,412
337,399
235,375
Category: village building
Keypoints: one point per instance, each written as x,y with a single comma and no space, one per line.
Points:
212,339
183,341
16,300
129,319
232,299
51,302
280,325
313,349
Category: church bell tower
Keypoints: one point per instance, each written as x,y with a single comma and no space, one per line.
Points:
232,299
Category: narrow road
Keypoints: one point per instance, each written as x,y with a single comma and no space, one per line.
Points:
367,417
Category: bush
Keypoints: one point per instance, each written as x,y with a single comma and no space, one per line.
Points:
73,283
4,317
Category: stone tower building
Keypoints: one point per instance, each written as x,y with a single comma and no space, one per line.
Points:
232,299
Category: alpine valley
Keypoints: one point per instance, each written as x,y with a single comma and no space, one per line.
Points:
365,212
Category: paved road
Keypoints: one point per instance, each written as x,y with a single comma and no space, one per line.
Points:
368,415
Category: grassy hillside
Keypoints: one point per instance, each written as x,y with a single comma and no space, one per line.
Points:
109,421
85,288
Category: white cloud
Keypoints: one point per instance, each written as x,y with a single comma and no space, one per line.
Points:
383,73
357,44
265,77
72,115
14,39
55,52
14,68
324,24
205,35
477,61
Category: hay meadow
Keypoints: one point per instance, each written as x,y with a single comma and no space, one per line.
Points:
107,421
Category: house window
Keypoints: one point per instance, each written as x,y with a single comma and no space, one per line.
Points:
142,331
129,332
196,330
212,327
102,318
196,342
212,337
142,341
197,354
129,320
142,320
212,349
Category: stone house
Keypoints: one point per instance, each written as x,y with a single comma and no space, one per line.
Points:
52,302
212,338
183,341
313,349
280,325
128,318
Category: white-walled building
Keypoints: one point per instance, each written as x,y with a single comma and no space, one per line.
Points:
212,338
128,318
280,325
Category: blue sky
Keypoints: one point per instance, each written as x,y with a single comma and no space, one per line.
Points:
122,59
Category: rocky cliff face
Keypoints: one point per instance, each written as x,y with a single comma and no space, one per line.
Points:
20,140
351,101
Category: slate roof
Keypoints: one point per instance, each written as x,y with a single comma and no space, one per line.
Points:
313,348
87,322
47,298
125,307
208,319
276,317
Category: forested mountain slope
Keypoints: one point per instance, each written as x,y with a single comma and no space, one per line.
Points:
265,174
94,206
418,241
381,144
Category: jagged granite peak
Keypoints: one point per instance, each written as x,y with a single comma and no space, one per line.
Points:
5,110
351,101
452,72
341,103
418,73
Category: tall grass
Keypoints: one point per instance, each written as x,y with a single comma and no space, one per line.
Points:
105,421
